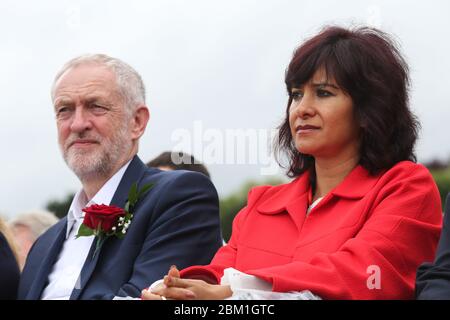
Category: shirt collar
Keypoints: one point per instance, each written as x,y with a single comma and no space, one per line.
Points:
103,196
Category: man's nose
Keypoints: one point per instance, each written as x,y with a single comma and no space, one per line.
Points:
80,121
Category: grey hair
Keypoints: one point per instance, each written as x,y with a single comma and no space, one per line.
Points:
37,221
131,86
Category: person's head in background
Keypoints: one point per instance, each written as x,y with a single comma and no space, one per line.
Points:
178,161
348,98
27,227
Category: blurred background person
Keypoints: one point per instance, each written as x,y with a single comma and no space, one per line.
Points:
27,227
9,267
178,161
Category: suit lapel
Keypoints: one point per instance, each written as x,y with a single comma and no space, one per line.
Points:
41,277
133,174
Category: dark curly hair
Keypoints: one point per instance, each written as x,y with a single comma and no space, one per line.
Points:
367,65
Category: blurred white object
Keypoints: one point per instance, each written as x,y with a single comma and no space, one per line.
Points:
125,298
248,287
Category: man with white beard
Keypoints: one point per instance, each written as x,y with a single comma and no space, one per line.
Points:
114,240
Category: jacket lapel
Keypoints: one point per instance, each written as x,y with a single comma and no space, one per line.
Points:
133,174
41,277
291,198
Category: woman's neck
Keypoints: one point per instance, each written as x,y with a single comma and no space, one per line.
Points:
330,173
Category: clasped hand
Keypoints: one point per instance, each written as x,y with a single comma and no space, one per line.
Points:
175,288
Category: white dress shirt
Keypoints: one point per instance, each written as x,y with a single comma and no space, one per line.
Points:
66,271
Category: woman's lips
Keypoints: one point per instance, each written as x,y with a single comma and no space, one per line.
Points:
304,129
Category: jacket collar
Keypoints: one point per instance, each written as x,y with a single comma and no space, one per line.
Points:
355,186
285,194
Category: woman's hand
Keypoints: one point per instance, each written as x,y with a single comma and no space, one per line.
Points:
186,289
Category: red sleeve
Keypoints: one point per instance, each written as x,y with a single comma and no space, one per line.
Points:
402,231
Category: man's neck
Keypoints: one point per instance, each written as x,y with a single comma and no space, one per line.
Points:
330,173
92,184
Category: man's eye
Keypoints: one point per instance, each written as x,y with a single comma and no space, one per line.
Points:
62,110
98,108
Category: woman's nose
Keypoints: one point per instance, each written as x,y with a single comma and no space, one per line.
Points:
304,107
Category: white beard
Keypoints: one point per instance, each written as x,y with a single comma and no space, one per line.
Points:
100,162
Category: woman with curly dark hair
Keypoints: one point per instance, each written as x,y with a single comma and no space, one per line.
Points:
360,215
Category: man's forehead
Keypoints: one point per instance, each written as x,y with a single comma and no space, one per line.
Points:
85,80
86,73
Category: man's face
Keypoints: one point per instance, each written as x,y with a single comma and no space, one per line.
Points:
93,126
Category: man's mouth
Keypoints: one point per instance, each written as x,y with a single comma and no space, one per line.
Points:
82,143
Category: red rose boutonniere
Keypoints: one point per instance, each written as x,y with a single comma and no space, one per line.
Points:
105,221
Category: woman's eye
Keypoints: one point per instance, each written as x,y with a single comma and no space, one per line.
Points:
323,93
296,95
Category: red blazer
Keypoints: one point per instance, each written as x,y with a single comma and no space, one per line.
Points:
364,240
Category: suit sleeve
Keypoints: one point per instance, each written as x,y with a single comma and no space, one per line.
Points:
433,279
184,230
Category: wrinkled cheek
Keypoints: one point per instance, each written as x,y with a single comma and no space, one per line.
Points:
63,135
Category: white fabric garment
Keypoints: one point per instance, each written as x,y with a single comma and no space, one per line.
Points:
315,203
64,276
248,287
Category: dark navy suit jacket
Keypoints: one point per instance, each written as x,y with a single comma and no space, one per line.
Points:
433,279
176,222
9,271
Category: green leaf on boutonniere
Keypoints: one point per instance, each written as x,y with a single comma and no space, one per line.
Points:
84,231
133,194
120,235
145,189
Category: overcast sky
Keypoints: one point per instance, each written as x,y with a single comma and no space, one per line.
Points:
210,65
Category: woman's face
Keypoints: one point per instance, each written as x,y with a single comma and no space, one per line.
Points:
321,119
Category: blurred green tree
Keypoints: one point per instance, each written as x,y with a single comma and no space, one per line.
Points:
60,207
442,179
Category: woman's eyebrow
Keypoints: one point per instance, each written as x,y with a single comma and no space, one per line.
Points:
324,84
